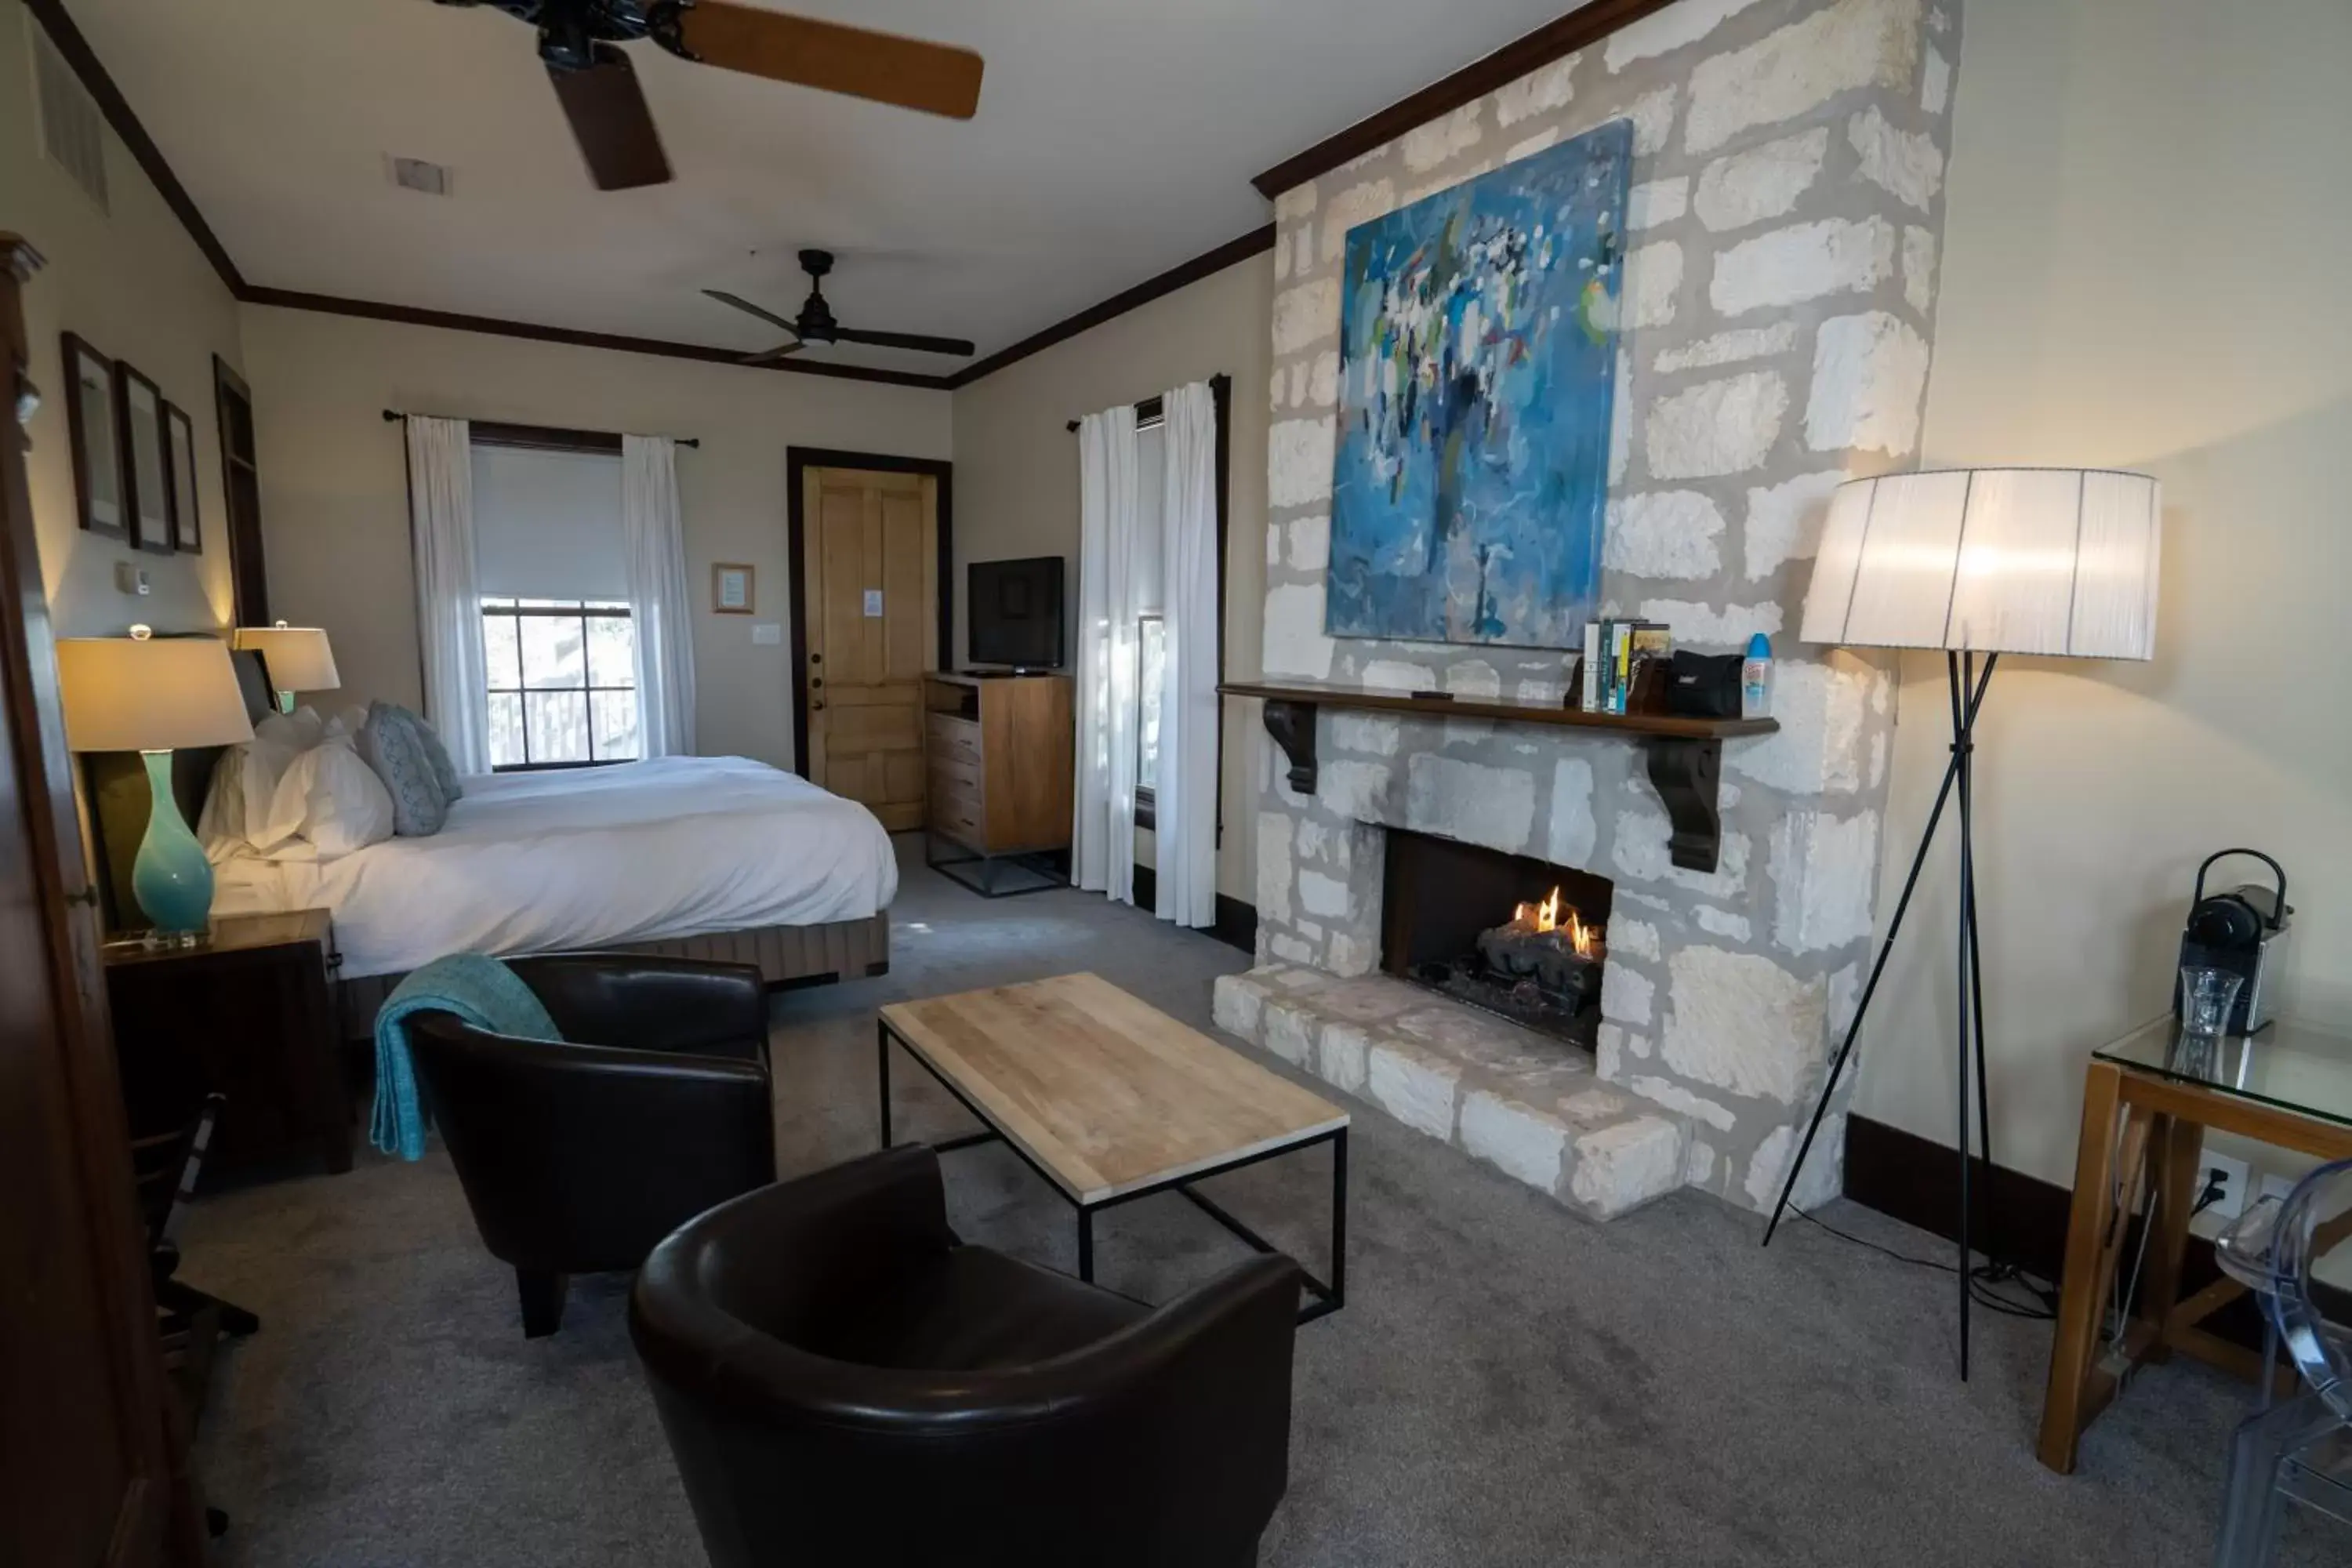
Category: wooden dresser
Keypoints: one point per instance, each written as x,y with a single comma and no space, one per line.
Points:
999,749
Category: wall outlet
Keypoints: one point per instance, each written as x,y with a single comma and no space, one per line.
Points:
767,634
2235,1179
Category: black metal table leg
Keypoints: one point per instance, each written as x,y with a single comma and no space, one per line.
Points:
1086,1245
882,1070
1338,1297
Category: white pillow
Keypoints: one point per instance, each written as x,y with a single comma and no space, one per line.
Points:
327,804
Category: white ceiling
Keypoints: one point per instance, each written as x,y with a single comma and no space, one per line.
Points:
1115,138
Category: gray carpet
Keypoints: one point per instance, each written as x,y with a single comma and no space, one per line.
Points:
1508,1385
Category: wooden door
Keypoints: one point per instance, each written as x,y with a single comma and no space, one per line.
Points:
241,488
869,576
87,1470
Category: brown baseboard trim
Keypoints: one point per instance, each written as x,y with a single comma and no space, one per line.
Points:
1256,241
1237,921
2022,1219
1581,29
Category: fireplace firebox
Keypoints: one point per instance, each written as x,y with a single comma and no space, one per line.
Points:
1513,935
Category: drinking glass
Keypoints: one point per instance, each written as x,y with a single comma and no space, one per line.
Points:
2208,997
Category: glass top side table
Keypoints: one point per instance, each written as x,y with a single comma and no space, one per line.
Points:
2149,1097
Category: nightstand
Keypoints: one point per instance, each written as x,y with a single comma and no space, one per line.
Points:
249,1015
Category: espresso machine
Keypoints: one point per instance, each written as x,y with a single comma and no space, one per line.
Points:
2242,931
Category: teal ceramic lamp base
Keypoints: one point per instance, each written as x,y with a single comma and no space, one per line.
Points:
171,876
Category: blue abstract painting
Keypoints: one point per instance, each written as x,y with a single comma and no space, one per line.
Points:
1478,348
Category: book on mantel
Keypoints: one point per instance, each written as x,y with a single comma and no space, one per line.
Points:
1615,651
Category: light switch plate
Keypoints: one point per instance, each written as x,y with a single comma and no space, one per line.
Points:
767,634
131,577
873,603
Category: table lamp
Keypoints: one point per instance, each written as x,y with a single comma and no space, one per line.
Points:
297,657
2056,562
153,695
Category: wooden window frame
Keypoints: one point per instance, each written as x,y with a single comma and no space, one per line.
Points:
1153,411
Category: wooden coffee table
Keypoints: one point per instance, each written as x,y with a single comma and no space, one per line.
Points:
1110,1099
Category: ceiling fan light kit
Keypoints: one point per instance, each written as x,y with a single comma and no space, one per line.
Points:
579,41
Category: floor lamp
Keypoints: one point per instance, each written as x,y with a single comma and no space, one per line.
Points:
1970,562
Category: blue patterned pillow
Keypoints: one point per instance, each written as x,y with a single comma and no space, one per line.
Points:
397,754
436,751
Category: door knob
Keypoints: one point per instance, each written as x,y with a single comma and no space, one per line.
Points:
816,658
818,706
816,680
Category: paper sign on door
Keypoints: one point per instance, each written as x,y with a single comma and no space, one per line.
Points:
873,603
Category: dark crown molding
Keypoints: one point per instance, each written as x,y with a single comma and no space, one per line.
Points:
1256,242
496,326
51,15
1581,29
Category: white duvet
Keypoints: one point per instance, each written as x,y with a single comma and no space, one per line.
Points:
590,857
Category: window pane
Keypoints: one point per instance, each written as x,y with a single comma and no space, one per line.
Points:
615,724
608,604
502,648
506,729
549,603
559,725
497,603
551,655
612,651
1155,650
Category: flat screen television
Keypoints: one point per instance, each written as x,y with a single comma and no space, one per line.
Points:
1014,613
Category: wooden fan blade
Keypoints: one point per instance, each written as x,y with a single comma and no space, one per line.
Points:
611,123
773,354
904,340
764,314
937,79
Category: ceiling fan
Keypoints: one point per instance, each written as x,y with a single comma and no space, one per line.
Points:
815,324
579,40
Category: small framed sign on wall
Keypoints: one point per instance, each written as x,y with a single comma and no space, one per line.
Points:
730,588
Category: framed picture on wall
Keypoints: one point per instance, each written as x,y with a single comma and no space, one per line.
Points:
730,588
93,428
146,463
179,436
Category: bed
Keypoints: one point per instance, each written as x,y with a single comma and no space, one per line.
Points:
713,858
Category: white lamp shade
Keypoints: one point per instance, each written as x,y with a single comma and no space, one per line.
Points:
298,658
2040,560
159,694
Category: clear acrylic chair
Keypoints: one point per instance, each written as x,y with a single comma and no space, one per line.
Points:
2299,1449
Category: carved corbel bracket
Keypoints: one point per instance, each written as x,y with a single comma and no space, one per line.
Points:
1687,774
1292,725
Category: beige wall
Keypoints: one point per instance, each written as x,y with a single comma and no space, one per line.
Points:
137,288
334,486
1017,475
2146,245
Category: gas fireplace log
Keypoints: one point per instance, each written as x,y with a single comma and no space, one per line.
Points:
1547,957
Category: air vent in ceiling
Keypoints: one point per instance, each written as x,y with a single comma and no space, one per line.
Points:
73,132
417,174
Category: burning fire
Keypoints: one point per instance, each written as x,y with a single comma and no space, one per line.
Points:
1545,917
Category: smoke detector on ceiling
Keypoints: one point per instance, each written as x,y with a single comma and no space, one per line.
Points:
417,174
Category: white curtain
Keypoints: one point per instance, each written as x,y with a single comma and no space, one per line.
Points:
1185,801
1102,832
654,548
448,598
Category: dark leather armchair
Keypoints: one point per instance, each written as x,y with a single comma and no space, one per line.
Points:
577,1155
843,1382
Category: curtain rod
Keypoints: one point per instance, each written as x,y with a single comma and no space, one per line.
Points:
546,434
1221,386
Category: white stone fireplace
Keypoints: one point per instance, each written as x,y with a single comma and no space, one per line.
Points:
1776,323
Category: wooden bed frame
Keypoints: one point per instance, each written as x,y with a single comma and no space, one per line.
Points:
116,792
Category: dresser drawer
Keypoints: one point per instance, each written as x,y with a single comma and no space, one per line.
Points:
951,771
953,739
957,815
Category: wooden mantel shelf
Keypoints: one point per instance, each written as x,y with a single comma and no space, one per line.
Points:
1685,755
